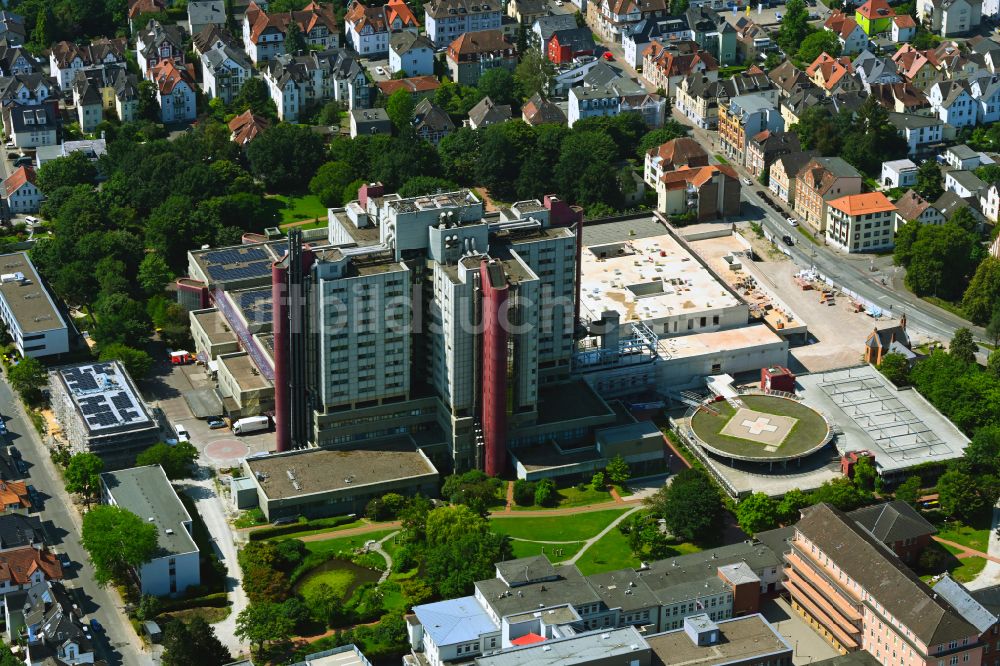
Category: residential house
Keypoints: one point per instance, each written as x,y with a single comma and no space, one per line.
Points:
411,54
789,79
902,98
431,122
963,183
94,94
246,127
922,133
875,17
224,70
985,90
989,202
210,37
486,113
915,66
742,118
297,83
12,29
369,122
893,339
665,66
473,53
51,626
21,195
819,182
871,69
896,524
793,107
963,157
898,173
526,12
367,29
18,60
14,495
833,74
566,45
31,125
146,492
264,34
697,98
861,597
952,102
539,111
543,28
713,33
175,92
765,147
139,8
904,28
781,179
66,58
705,193
159,42
20,568
591,102
126,97
27,89
18,530
911,207
419,87
637,37
447,20
650,106
950,18
672,155
202,13
753,42
861,222
612,18
849,33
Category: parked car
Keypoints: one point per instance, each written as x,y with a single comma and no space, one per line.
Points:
31,220
380,70
608,56
792,221
13,156
182,433
788,240
215,424
746,181
14,453
23,160
95,625
777,17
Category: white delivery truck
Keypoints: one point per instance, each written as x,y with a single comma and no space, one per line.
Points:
251,424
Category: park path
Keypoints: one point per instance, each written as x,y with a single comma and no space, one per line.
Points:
594,539
966,551
388,558
510,497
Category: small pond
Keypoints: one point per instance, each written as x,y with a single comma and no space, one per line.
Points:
341,575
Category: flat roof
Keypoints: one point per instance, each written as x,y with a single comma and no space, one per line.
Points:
578,649
105,397
345,655
741,639
27,299
255,305
244,371
570,400
455,620
901,428
648,279
146,492
300,473
239,262
214,325
716,342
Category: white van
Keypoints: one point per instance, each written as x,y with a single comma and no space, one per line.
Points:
251,424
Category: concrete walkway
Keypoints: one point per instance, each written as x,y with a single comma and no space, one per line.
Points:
388,558
591,541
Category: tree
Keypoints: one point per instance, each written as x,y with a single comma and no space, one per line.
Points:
533,73
295,41
618,470
678,7
117,540
255,97
461,549
865,475
599,481
400,107
981,301
263,623
177,461
524,492
419,185
841,493
993,364
941,258
671,130
154,274
121,319
43,36
136,361
544,491
993,327
929,181
963,496
793,501
963,346
816,44
757,513
690,505
909,491
193,642
285,156
7,657
794,26
983,451
498,84
83,475
74,169
896,368
147,108
329,182
28,378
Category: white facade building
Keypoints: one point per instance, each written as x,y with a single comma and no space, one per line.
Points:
591,102
28,310
449,19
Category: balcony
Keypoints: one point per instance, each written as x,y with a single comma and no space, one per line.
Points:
842,616
820,616
814,574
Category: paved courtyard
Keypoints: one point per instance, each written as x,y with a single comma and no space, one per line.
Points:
807,645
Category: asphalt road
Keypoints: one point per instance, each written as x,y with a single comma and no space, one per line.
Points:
117,644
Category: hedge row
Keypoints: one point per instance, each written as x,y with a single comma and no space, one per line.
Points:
282,530
215,600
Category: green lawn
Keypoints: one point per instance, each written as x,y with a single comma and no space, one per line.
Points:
721,160
339,581
610,553
578,527
345,544
569,497
321,530
971,566
296,208
555,553
976,537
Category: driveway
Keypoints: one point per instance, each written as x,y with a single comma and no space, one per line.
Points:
61,520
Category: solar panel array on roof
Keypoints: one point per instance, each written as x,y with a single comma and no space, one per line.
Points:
237,263
104,396
256,305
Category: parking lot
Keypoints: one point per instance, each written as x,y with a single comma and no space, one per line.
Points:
165,389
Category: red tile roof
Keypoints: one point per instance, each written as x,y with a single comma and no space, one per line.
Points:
246,126
18,565
166,75
145,7
863,204
697,176
14,182
876,9
414,84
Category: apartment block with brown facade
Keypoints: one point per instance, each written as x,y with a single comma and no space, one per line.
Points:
859,596
766,147
781,178
742,118
821,180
